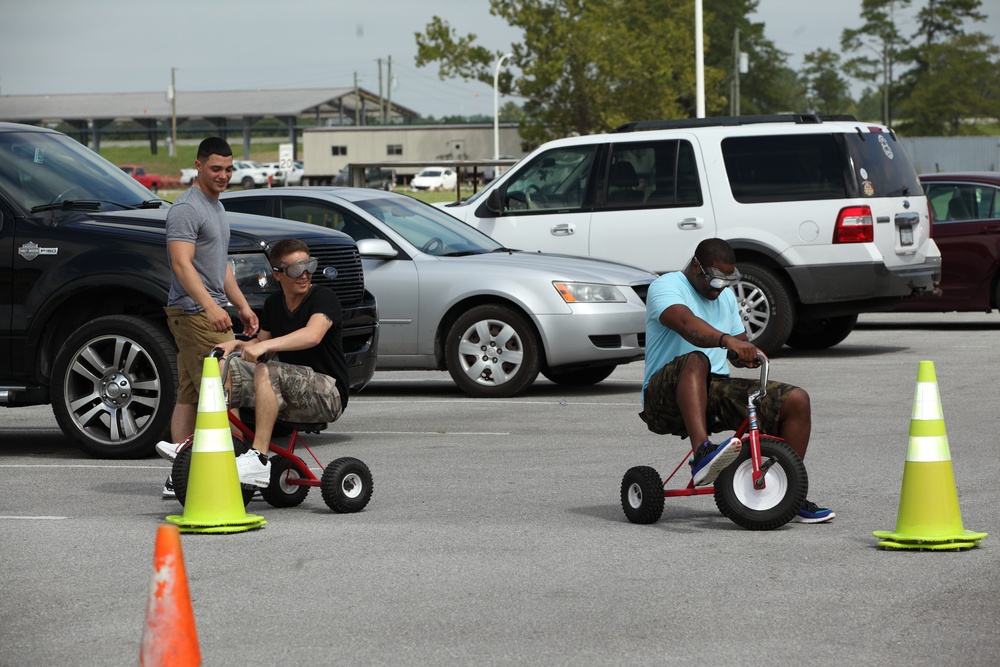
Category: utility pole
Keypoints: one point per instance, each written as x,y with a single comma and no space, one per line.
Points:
388,91
381,105
357,101
173,112
734,103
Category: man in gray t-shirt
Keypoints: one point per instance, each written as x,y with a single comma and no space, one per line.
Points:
201,282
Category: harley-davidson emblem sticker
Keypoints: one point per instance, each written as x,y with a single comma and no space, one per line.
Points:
30,250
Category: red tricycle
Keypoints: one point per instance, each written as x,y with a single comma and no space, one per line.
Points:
762,489
346,484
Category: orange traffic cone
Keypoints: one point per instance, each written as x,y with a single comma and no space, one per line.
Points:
929,517
214,502
169,638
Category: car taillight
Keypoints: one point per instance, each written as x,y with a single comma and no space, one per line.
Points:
854,225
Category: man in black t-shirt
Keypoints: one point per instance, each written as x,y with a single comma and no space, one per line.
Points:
305,377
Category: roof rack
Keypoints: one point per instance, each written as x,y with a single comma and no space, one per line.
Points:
719,121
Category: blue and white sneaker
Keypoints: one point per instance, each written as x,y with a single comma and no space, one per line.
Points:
710,460
813,513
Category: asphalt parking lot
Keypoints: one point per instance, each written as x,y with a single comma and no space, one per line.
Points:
495,534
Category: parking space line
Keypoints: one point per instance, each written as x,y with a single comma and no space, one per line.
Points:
35,518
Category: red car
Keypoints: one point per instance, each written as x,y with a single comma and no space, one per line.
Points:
965,214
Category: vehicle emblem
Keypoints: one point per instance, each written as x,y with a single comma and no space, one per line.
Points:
906,203
30,250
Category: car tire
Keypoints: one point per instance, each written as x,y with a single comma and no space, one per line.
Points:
821,333
114,383
580,377
765,307
247,183
475,347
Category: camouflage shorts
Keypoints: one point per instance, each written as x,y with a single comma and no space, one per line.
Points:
303,394
727,398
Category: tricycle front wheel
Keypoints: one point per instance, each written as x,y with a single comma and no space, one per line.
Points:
786,484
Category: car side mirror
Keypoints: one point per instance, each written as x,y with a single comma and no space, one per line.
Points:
493,203
376,249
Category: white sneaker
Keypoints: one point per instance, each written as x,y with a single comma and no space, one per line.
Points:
253,468
168,488
170,450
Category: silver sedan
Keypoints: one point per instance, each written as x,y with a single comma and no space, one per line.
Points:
452,298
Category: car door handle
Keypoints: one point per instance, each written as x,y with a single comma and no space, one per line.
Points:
563,229
990,230
691,223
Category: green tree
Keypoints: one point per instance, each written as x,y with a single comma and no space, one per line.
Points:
877,43
770,86
828,93
585,66
960,80
944,18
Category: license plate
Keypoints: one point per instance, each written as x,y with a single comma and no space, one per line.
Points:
906,235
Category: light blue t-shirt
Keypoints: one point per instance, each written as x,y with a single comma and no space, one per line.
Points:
663,345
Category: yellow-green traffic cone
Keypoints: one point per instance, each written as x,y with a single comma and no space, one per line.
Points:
929,517
214,502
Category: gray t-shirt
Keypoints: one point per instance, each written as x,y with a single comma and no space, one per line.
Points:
197,218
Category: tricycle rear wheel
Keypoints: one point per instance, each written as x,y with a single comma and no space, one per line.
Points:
347,485
642,495
786,484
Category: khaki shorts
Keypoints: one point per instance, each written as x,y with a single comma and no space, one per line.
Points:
195,339
727,398
303,394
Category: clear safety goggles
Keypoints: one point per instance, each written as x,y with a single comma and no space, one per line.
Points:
716,278
296,269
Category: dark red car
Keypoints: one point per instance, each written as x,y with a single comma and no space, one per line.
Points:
965,213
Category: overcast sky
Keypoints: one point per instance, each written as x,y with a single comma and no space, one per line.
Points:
109,46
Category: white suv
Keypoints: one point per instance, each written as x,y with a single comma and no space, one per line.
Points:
826,214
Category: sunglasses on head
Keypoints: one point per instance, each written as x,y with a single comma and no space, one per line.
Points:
716,278
296,269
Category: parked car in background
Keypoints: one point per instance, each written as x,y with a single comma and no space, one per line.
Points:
379,179
249,174
965,224
294,175
452,298
434,178
281,176
826,214
151,182
188,175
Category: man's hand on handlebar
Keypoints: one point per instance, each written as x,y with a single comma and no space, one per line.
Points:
742,353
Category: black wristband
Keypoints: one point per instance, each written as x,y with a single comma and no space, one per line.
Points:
720,340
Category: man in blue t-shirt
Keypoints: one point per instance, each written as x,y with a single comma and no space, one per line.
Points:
692,323
305,376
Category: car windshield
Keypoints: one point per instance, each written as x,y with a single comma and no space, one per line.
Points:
39,169
428,228
429,173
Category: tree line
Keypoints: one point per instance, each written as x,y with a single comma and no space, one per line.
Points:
585,67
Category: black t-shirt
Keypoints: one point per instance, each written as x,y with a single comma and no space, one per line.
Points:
327,357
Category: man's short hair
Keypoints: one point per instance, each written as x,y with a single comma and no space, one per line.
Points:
714,251
213,146
283,248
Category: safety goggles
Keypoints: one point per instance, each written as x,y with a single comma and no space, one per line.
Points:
717,279
296,269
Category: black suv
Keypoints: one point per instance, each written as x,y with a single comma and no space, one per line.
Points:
84,278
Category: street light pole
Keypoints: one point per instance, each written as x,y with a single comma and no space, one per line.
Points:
699,61
496,106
